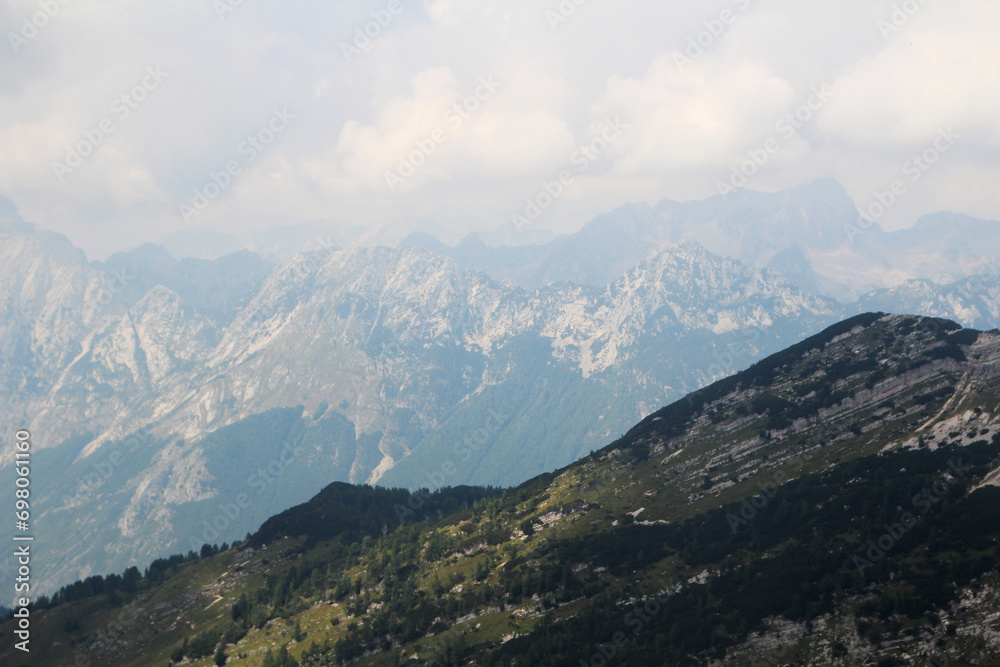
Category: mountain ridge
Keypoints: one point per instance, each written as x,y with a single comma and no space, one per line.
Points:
330,340
815,219
734,526
383,361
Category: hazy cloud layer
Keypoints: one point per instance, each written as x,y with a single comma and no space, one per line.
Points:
457,111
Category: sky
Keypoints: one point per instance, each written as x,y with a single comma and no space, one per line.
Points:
122,122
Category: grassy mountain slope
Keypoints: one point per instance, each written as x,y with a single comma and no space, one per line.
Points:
366,363
836,503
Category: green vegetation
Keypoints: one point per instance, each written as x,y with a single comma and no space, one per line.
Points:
716,522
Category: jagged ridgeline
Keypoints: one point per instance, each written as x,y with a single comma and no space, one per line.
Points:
177,402
836,503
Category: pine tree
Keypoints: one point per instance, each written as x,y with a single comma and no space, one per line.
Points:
284,659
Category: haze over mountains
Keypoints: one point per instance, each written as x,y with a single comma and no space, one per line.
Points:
835,504
159,390
813,235
810,234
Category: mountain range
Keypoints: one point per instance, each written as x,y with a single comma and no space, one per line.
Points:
834,504
813,235
160,392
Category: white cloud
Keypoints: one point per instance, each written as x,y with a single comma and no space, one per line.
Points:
941,68
693,116
354,119
447,130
